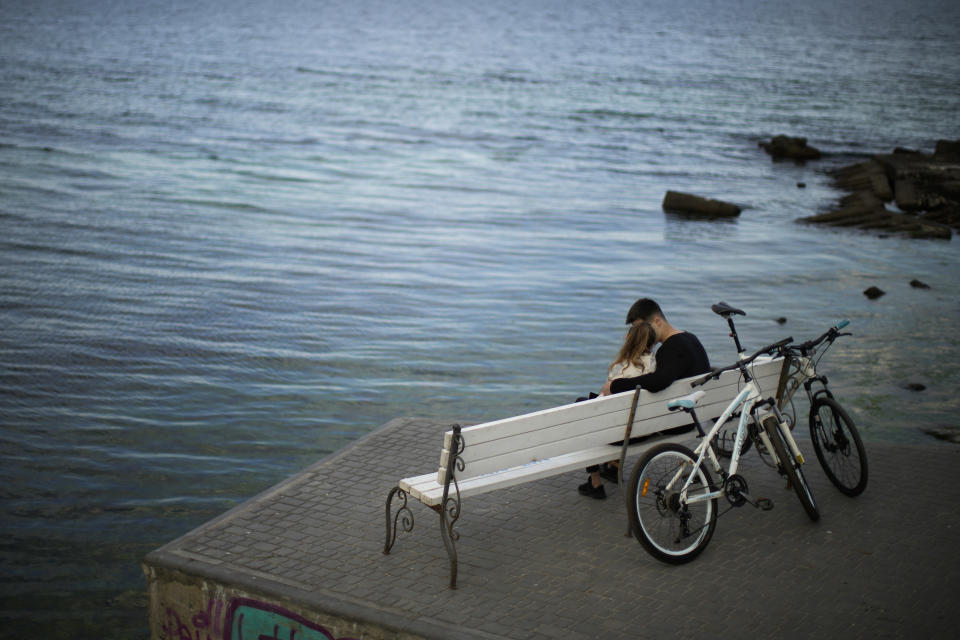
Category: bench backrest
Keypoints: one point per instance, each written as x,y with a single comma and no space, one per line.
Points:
520,440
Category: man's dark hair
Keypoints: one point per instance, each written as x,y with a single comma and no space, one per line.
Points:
643,309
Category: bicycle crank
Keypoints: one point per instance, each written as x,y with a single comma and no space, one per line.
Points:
735,489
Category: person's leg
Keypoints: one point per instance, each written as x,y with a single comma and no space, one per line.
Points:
610,471
593,487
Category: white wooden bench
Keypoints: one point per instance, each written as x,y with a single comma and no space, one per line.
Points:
512,451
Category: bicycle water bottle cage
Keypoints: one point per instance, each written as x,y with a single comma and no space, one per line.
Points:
725,310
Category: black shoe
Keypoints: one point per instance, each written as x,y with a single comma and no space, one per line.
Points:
587,489
609,472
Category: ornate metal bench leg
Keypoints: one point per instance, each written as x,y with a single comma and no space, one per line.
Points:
450,505
403,517
449,513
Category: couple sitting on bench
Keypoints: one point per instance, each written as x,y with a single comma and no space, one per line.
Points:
512,451
680,356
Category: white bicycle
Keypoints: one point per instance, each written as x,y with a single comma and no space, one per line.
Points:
672,499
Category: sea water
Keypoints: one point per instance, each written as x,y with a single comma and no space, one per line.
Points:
237,236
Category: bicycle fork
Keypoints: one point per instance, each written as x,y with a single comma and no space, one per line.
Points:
774,420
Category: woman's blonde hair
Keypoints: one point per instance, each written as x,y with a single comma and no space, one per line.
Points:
639,341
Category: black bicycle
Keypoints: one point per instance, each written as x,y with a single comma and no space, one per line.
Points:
836,440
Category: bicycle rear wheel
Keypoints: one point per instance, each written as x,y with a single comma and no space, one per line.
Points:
838,446
790,467
671,531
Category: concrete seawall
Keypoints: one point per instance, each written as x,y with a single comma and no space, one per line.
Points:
304,559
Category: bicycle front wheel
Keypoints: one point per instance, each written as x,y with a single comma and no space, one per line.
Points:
671,530
838,446
790,467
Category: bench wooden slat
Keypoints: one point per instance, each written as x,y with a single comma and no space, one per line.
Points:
427,490
417,485
538,441
598,407
523,440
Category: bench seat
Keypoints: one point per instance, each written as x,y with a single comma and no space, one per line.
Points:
427,490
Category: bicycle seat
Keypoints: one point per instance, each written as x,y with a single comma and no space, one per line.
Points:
725,310
687,403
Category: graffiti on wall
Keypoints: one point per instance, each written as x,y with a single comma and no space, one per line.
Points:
242,619
203,625
249,619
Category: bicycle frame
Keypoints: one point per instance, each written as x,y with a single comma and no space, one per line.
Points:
746,401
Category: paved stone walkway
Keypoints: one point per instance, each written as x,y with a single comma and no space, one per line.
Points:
541,562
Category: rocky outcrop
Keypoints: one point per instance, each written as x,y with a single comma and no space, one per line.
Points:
865,177
676,202
947,148
948,433
787,148
924,188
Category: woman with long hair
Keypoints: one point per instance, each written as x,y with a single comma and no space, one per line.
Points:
634,359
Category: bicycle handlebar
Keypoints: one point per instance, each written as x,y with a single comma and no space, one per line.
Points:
740,364
831,334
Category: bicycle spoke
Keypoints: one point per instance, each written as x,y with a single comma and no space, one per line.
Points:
669,528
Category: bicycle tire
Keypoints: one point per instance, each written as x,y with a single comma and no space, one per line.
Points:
670,532
838,446
790,468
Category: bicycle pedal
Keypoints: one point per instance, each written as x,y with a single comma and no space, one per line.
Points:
765,503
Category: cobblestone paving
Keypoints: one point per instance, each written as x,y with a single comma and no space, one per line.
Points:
541,562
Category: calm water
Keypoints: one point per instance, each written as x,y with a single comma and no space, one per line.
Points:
238,235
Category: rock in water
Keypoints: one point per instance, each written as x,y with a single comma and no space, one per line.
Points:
950,434
677,202
791,148
925,188
947,148
916,284
874,292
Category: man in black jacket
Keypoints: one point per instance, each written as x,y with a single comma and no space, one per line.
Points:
680,356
